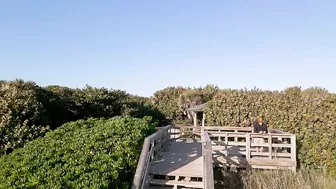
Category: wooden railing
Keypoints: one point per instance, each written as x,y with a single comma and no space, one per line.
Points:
208,177
186,131
153,145
236,129
282,146
279,146
192,130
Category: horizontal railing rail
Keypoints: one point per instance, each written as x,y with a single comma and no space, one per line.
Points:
225,129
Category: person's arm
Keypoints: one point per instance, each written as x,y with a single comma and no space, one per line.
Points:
266,128
255,128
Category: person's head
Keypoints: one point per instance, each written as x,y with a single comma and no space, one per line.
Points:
260,120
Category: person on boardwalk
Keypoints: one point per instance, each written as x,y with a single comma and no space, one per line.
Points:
259,127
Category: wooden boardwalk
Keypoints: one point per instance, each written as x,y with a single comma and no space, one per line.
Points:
184,156
180,164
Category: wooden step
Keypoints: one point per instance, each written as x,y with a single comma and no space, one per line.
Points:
189,184
160,187
165,187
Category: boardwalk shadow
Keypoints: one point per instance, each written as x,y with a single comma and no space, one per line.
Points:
234,158
182,156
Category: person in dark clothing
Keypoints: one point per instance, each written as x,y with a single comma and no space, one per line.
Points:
259,127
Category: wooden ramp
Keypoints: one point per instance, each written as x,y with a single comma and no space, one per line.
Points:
180,165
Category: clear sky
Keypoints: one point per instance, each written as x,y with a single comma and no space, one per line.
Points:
144,46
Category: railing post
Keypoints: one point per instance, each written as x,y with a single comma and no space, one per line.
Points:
208,177
236,138
293,148
226,144
152,147
270,146
248,146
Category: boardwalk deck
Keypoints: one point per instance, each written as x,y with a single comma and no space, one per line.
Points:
180,164
173,158
183,157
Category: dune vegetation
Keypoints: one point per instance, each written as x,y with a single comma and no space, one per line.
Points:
51,136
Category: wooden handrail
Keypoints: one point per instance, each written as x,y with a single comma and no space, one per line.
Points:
208,177
148,152
275,140
228,128
244,136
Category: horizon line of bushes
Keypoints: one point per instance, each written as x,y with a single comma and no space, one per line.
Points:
30,111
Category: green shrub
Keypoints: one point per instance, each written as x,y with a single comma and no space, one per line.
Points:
21,114
59,105
310,114
140,107
64,104
173,101
166,101
96,153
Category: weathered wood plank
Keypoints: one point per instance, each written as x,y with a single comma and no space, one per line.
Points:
182,158
243,162
293,147
269,147
248,146
192,184
208,177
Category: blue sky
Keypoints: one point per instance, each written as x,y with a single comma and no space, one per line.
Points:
144,46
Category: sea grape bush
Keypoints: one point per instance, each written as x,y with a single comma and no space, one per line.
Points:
93,153
21,113
310,114
64,104
140,107
172,101
73,104
166,101
29,111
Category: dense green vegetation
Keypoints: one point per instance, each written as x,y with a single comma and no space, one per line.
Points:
95,153
310,114
173,101
22,114
30,112
272,179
